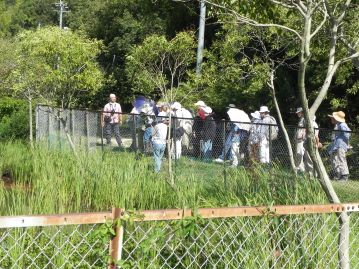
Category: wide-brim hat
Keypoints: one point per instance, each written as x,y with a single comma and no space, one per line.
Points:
338,116
256,115
207,110
263,109
176,106
200,103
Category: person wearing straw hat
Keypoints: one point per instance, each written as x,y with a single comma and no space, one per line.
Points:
159,138
339,146
111,118
267,133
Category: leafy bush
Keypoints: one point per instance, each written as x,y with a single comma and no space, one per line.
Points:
14,119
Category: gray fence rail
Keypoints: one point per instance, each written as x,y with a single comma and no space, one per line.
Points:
86,131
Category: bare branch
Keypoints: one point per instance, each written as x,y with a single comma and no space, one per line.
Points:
252,22
325,16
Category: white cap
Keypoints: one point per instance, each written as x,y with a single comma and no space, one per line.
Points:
256,115
176,106
112,95
263,109
207,110
200,103
299,109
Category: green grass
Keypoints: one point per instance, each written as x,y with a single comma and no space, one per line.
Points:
60,183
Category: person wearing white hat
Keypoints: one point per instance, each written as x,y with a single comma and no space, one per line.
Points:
111,118
254,137
200,104
268,132
182,124
159,138
208,133
339,146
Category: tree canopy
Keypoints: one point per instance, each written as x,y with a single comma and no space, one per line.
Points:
234,70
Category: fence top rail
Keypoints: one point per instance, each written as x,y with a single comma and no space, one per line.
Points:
53,220
245,211
216,120
174,214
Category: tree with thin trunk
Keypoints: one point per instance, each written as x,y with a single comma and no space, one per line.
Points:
333,25
56,67
159,67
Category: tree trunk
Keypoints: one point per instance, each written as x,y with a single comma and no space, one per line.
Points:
313,151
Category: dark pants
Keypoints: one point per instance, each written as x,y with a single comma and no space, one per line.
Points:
113,128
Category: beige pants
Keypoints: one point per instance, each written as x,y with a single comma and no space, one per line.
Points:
339,163
303,161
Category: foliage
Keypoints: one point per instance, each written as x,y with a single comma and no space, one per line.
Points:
14,123
158,66
56,65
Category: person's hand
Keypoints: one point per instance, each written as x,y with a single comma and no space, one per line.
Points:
319,145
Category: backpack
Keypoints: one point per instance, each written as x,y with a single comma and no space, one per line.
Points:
273,129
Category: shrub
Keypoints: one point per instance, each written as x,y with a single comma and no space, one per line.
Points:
14,119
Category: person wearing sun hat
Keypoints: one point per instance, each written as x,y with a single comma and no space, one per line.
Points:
209,132
268,132
339,146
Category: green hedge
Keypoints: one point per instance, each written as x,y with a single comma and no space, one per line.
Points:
14,119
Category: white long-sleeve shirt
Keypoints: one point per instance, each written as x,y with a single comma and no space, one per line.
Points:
159,133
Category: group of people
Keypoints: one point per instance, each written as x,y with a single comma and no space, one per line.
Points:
246,136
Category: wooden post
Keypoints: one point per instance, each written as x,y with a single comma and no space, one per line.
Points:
117,241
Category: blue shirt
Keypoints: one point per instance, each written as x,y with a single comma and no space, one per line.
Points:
237,133
341,137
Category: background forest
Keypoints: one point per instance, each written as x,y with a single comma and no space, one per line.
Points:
104,36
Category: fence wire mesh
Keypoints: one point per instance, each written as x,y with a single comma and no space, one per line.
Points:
205,142
72,246
292,241
306,240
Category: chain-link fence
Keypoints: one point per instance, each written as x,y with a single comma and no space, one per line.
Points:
196,139
58,241
244,237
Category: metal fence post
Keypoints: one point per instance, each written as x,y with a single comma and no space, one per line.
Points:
224,152
102,125
175,141
87,129
59,128
117,241
270,143
37,123
134,133
48,127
